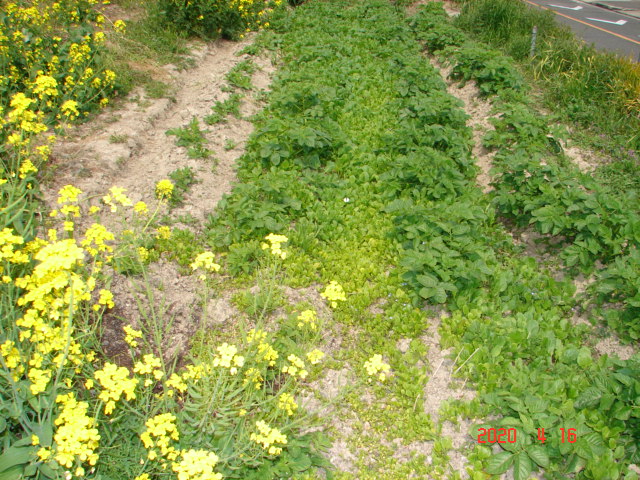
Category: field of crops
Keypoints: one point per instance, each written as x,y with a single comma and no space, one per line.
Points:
357,305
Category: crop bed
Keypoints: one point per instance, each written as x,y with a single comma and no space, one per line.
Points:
379,322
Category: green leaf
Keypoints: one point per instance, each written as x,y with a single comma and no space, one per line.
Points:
499,463
13,456
13,473
584,357
522,466
538,454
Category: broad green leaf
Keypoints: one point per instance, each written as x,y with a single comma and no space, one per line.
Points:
584,357
538,454
13,473
13,456
522,466
499,463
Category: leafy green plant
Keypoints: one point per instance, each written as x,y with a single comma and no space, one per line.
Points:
491,70
217,19
193,138
240,75
620,282
183,179
222,109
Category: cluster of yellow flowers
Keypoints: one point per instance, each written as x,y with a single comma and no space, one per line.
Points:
296,367
287,403
315,356
150,365
187,464
115,382
131,336
50,77
309,319
205,262
376,367
334,293
76,437
227,358
164,189
269,437
275,244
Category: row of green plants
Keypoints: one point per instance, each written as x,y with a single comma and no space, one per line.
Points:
535,185
510,320
66,410
596,90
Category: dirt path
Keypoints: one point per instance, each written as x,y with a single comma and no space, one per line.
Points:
129,147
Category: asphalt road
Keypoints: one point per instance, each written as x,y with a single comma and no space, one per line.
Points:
606,29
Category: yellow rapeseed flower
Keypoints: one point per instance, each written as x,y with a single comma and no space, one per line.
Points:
164,189
268,438
334,293
376,367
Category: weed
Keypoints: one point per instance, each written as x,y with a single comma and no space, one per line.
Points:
193,138
240,75
222,109
118,138
183,179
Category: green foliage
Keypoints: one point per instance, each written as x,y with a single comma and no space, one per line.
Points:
492,71
240,75
377,172
587,87
508,24
193,138
213,19
620,282
222,109
182,178
182,246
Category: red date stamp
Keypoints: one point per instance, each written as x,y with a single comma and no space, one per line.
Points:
509,435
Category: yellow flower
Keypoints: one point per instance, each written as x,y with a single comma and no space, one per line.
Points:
119,26
68,194
308,318
131,335
26,168
375,366
115,382
196,465
253,375
106,298
45,85
268,437
150,365
143,254
70,109
141,207
287,403
267,353
333,293
164,189
75,437
296,367
163,233
315,356
227,358
35,440
161,429
275,244
205,261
